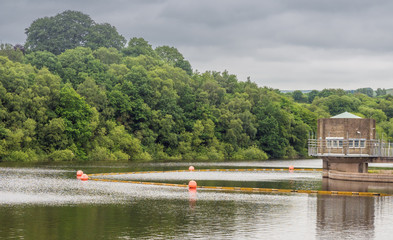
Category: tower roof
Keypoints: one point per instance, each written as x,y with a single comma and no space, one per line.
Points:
346,115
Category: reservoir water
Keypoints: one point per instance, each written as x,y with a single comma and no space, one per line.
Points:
46,201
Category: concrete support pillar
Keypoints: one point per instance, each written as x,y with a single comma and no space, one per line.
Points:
342,164
363,167
325,168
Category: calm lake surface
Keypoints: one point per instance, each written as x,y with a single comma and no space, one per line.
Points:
46,201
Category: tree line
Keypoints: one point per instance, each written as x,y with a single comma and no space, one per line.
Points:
364,102
76,91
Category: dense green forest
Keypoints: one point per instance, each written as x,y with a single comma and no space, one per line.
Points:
77,90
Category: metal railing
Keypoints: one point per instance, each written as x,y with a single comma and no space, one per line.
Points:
372,148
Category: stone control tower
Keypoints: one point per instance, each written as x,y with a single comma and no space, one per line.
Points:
347,143
346,134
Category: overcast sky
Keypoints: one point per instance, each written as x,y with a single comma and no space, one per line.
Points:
284,44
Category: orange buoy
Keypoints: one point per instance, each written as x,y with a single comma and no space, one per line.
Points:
191,168
291,168
192,184
84,177
79,173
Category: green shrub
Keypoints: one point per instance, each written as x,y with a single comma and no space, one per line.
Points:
32,155
121,156
144,157
101,154
290,152
16,156
201,157
61,155
251,153
215,155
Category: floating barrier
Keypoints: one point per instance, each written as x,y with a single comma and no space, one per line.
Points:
193,185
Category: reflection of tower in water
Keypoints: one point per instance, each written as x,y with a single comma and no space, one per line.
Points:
356,186
345,217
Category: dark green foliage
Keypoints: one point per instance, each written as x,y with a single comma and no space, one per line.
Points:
311,95
328,92
336,104
14,53
271,128
100,105
298,96
380,92
104,35
172,56
68,30
251,153
88,98
77,116
56,34
44,59
368,91
61,155
79,63
137,47
108,55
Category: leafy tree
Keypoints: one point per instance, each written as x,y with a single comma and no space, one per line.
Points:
387,107
95,95
311,95
269,137
172,56
298,138
104,35
380,92
108,55
14,53
376,114
61,155
68,30
331,91
46,90
338,104
121,103
40,59
165,129
77,116
100,101
252,153
54,135
79,63
137,47
368,91
298,96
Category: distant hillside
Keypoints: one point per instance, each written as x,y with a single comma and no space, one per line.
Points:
389,91
289,91
368,91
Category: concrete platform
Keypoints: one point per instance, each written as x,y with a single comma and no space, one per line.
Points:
364,177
